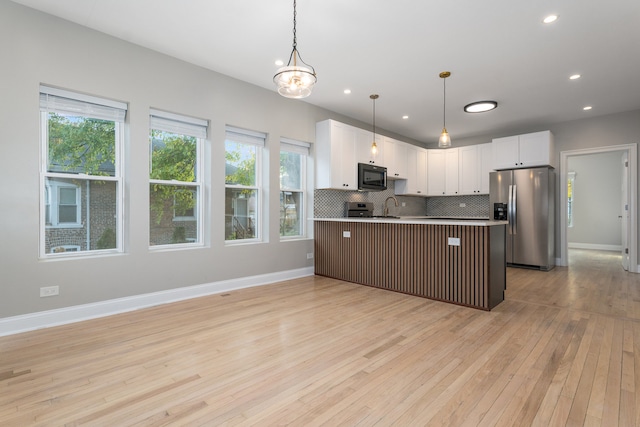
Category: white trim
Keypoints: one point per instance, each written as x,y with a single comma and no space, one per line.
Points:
48,90
178,117
245,136
632,230
178,124
78,313
595,246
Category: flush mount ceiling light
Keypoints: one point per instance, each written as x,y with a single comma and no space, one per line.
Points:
445,139
549,19
295,81
374,147
480,106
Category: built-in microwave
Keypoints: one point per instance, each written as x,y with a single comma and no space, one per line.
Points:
372,177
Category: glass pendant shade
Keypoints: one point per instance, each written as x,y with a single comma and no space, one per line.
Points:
295,81
374,148
445,139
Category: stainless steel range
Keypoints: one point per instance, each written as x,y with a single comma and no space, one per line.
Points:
358,209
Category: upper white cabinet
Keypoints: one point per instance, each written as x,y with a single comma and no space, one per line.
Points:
435,172
523,151
474,167
416,182
336,165
364,140
442,172
485,157
451,171
395,159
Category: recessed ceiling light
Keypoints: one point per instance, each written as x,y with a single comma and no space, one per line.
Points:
574,77
347,91
587,108
480,106
279,63
549,19
405,117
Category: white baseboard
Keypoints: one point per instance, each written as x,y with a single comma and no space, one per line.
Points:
77,313
595,246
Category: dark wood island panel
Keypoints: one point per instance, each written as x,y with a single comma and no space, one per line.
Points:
416,259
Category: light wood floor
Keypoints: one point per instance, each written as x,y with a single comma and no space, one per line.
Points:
562,349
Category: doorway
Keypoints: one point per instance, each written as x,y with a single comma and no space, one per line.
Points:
629,215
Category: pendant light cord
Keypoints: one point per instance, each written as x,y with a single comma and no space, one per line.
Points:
374,97
295,41
295,54
444,104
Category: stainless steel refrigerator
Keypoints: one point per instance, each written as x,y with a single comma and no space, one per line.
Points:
526,198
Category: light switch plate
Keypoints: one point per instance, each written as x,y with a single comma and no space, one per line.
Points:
454,241
346,234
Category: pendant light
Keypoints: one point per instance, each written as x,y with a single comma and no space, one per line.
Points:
295,81
374,147
445,139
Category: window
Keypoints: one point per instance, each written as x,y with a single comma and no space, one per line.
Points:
293,162
62,203
81,178
243,160
175,178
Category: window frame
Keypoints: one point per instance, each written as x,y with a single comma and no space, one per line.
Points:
303,149
179,124
258,140
81,105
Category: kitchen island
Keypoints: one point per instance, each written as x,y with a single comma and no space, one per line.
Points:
460,261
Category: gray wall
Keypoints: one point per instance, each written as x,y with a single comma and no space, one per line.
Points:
597,200
37,48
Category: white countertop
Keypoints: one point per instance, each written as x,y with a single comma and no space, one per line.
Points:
482,222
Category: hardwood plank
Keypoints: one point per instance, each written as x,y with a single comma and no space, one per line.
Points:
562,349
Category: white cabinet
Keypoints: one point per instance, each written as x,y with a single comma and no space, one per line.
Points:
451,171
416,182
485,157
364,140
442,172
436,172
523,151
395,159
474,167
336,165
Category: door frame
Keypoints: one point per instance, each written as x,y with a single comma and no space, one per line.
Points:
632,232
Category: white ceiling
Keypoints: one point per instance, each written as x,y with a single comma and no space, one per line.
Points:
495,49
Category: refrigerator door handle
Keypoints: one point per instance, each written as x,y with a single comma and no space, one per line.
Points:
510,210
514,210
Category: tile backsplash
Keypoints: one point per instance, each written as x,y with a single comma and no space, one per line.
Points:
330,203
463,206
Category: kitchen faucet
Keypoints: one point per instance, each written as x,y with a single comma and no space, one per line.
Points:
386,208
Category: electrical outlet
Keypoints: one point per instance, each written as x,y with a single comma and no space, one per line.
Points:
404,204
463,205
310,255
49,291
453,241
346,234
